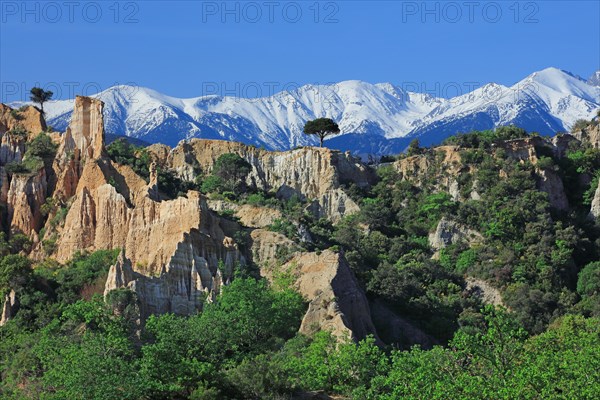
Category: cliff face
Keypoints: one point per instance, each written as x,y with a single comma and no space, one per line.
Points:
83,141
22,193
175,254
336,302
314,174
590,135
12,146
25,196
248,215
444,165
450,232
171,248
595,206
29,118
10,307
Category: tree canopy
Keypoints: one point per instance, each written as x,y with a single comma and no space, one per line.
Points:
322,127
40,96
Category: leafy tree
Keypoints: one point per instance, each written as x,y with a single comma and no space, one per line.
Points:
15,271
248,319
173,362
322,127
588,283
414,148
212,184
87,355
232,170
41,146
40,96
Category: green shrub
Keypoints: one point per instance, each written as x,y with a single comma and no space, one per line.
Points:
15,167
212,184
18,131
588,282
41,146
16,114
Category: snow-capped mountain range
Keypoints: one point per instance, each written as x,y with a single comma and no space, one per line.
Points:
373,118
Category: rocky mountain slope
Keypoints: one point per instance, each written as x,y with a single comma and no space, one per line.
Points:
175,253
380,118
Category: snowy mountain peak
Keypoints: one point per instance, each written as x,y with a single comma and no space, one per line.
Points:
372,117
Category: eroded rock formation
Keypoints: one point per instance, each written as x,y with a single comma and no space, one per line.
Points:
444,163
26,194
450,232
171,248
10,307
595,206
336,302
29,118
590,135
314,174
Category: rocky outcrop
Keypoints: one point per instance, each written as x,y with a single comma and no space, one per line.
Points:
268,248
12,148
313,174
248,215
189,279
590,135
159,153
9,308
171,249
124,215
485,291
443,164
524,149
29,118
85,134
336,302
549,182
25,196
450,232
83,141
595,206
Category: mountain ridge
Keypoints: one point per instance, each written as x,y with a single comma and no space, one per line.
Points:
378,117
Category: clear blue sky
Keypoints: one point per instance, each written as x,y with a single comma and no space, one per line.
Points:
187,49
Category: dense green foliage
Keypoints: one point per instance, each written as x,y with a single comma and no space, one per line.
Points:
244,347
228,175
67,342
60,346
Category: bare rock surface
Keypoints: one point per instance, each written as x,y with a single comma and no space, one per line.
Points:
9,308
450,232
336,301
488,293
314,174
